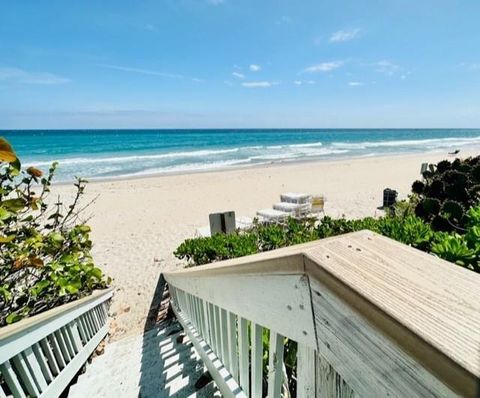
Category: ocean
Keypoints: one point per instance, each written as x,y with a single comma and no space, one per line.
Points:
100,154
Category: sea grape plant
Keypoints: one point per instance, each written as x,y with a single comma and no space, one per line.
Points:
45,255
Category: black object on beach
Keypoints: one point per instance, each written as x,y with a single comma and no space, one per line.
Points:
389,197
454,152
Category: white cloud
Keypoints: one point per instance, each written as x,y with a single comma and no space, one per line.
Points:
238,75
344,35
386,67
259,84
298,82
22,76
215,2
142,71
324,66
355,84
255,68
148,72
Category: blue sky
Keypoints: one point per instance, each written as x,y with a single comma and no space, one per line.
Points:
239,63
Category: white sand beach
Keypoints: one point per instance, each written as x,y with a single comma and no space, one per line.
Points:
138,223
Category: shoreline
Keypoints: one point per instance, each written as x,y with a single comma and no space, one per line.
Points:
272,164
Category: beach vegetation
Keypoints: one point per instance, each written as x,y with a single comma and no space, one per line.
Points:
45,257
446,193
441,216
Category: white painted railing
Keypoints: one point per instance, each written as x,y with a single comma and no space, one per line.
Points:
39,356
372,317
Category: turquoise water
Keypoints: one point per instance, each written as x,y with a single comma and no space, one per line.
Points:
121,153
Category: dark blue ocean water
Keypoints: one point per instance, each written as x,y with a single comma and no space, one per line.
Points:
121,153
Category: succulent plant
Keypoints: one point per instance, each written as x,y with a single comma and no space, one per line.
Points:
447,190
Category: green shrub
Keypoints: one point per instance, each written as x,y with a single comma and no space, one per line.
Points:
449,190
463,249
45,256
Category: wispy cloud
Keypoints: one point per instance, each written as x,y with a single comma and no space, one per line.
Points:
356,84
324,67
254,68
151,28
344,35
386,67
238,75
148,72
142,71
261,84
22,76
301,82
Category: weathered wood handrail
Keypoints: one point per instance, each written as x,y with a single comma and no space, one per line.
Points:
39,356
371,316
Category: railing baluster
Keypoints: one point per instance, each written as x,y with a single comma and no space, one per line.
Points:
257,360
201,305
96,326
86,328
42,361
52,362
56,351
211,311
93,328
218,333
62,346
208,334
244,355
305,372
232,344
224,332
25,376
35,369
275,365
195,314
68,343
74,336
12,381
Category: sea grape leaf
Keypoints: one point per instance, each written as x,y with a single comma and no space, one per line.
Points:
7,153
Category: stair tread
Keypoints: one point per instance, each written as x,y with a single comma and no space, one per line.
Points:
160,363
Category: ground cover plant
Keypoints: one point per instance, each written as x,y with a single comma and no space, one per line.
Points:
45,248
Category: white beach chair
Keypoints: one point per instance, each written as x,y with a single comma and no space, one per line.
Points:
295,209
295,197
244,223
272,215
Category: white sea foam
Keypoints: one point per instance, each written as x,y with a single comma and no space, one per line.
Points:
431,143
131,158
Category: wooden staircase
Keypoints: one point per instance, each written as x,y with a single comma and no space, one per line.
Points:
160,363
